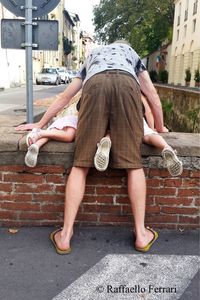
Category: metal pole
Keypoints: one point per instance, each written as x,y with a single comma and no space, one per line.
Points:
29,64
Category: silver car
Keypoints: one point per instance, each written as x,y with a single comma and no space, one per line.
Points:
63,74
48,76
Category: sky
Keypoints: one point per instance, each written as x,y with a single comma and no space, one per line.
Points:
84,10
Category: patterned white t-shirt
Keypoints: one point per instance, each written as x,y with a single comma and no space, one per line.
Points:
116,56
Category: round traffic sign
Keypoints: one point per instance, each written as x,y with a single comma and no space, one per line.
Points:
43,7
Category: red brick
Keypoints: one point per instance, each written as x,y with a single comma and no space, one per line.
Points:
126,209
19,206
48,170
32,178
173,201
161,219
102,208
40,216
16,197
152,209
111,190
154,182
195,174
189,220
107,218
60,189
86,217
104,181
165,173
55,178
161,191
33,188
7,215
98,199
6,187
122,200
51,198
150,200
12,168
52,207
190,182
159,173
89,190
197,202
179,210
162,226
173,182
188,192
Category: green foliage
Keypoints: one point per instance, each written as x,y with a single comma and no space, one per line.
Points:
167,107
193,115
187,75
163,76
153,75
197,76
145,24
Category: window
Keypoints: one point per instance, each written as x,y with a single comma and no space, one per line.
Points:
186,10
179,14
195,5
177,38
194,25
185,30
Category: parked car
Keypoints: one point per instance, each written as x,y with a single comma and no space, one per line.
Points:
63,74
71,74
48,75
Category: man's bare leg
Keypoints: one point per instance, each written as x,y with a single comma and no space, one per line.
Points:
74,193
137,195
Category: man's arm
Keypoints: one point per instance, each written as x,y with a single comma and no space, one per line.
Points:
153,99
61,101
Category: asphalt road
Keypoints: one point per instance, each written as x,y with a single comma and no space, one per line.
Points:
16,97
30,269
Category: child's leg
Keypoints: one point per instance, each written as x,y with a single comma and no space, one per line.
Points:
171,161
67,134
156,140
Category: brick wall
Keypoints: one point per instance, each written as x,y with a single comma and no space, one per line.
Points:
35,197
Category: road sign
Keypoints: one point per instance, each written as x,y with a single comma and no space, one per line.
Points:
45,34
40,7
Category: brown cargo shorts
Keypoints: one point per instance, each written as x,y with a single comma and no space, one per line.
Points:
111,98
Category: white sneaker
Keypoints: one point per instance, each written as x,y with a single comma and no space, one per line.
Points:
33,136
101,158
172,162
31,156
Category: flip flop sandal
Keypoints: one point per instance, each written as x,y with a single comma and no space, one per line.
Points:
33,136
101,158
148,246
58,250
31,156
172,162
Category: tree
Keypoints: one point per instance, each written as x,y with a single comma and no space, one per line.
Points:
145,24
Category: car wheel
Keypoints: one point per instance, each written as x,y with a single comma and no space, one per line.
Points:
37,82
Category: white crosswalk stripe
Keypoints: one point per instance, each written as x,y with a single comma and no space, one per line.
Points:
138,277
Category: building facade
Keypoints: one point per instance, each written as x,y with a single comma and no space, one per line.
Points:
69,53
185,52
